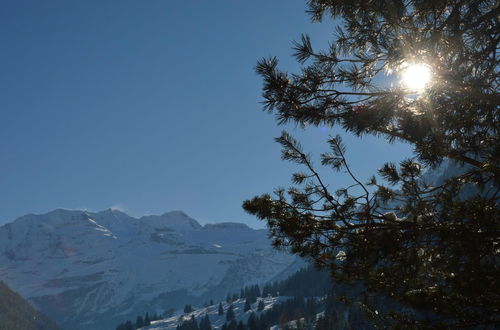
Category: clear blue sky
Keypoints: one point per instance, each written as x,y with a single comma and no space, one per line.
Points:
148,106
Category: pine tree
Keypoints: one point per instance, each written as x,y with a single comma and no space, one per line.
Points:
252,322
139,322
194,324
188,309
230,314
240,326
205,323
129,326
260,305
208,325
221,309
247,305
232,325
256,291
190,324
266,291
431,246
124,326
275,290
147,321
262,323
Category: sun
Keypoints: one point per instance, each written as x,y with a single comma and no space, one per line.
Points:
416,76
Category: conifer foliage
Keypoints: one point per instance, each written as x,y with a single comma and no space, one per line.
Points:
247,305
433,246
260,306
230,314
205,323
190,324
140,321
220,309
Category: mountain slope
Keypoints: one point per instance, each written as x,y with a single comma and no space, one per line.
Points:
90,270
17,314
217,321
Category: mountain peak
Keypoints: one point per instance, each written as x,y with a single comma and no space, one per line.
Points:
176,213
176,220
113,212
55,216
110,218
82,267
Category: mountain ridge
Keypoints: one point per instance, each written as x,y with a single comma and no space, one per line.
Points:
87,268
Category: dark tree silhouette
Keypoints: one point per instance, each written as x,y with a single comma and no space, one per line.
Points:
221,309
260,306
139,322
190,324
247,305
128,325
230,314
188,309
432,246
205,323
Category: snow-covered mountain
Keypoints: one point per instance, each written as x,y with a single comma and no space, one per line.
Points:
92,270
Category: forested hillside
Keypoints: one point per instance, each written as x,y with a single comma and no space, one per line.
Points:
17,314
305,300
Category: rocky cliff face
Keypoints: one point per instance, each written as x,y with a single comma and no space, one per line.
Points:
94,270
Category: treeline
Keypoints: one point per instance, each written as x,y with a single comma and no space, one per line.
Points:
307,282
312,292
342,316
139,322
191,324
301,313
298,309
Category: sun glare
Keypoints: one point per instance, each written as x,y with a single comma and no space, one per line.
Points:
416,77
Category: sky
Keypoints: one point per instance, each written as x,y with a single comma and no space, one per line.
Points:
151,106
